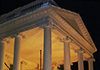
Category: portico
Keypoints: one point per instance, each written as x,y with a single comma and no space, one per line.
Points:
60,34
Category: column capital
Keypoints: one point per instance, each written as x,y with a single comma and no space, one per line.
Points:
18,35
4,41
16,59
90,59
48,24
23,62
81,50
67,39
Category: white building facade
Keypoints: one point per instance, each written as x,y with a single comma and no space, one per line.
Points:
42,25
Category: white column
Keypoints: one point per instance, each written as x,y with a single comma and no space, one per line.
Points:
2,46
90,63
16,63
80,60
67,64
47,65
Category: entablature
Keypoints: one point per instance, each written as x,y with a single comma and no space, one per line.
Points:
39,17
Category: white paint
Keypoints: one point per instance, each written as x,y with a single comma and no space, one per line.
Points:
16,64
47,49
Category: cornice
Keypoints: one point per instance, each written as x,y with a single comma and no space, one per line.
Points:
70,31
22,11
25,22
75,16
34,6
62,10
26,17
85,32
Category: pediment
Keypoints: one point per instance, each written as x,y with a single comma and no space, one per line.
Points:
75,21
69,17
63,23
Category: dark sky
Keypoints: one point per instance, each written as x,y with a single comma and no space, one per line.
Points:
88,9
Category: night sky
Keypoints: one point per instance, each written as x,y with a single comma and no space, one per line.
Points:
88,9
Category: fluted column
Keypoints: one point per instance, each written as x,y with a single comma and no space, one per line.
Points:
80,59
67,63
16,63
47,48
90,63
2,46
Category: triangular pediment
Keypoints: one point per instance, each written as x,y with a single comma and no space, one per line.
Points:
75,21
69,17
29,24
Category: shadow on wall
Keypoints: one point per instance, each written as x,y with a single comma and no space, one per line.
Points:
11,66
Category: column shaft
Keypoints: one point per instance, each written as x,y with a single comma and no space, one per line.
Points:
47,49
2,55
67,56
90,63
16,64
80,61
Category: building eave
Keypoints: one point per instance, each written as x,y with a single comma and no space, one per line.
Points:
46,12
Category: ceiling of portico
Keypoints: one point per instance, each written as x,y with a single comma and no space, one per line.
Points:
33,43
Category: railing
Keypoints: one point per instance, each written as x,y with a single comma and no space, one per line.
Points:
32,8
23,10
